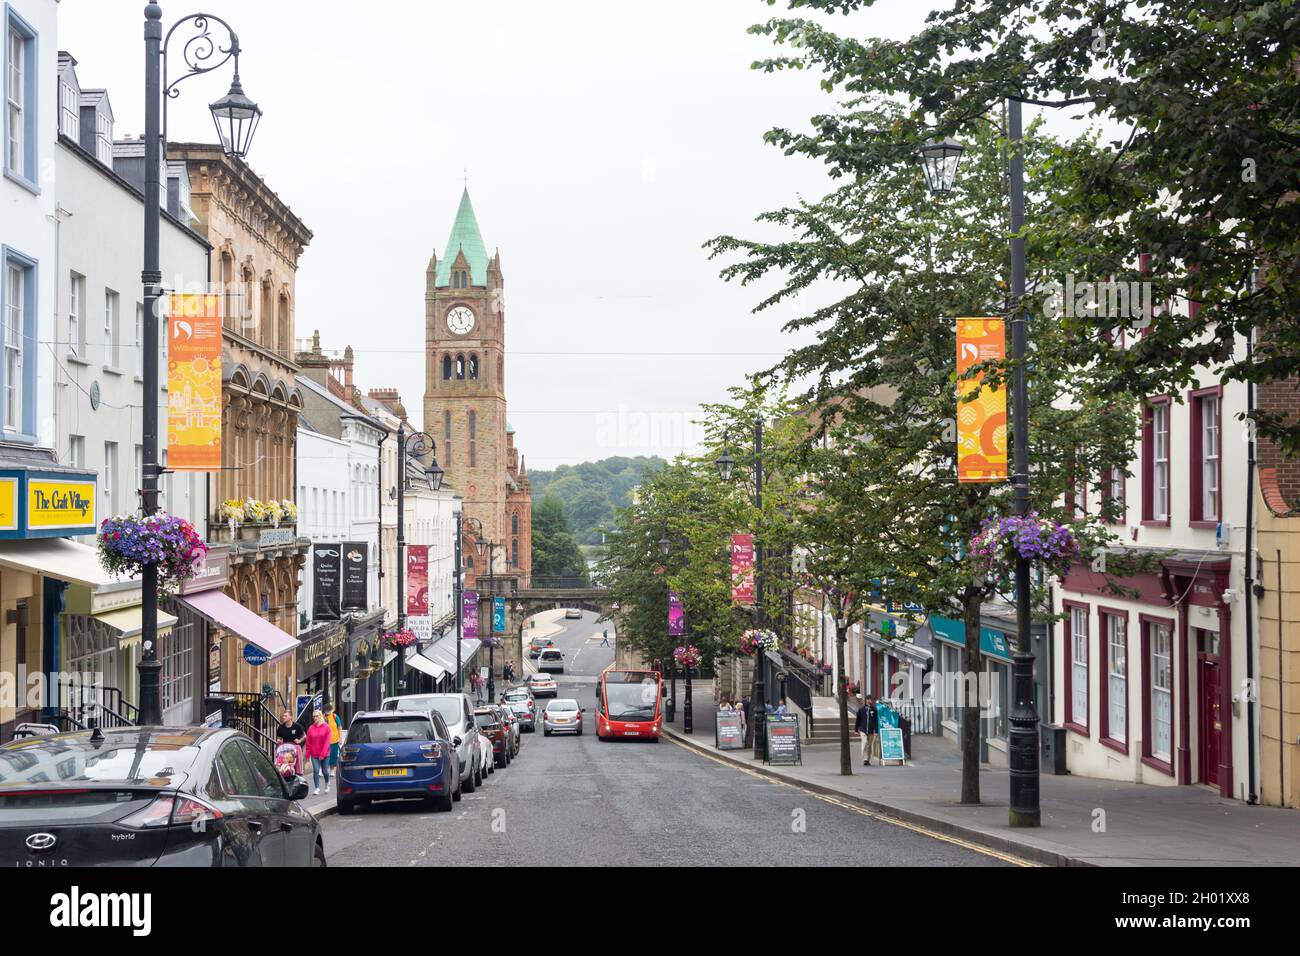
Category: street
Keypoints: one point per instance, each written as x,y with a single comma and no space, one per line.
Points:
579,801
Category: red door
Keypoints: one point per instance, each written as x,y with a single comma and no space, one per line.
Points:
1207,679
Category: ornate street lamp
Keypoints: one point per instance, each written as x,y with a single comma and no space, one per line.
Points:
434,474
236,116
939,161
724,462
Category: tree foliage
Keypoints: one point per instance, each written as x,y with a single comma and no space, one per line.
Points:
592,491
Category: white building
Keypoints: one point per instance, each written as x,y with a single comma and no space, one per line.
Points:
1149,688
96,385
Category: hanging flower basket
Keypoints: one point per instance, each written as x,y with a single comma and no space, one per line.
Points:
127,543
688,656
290,510
998,543
755,642
403,638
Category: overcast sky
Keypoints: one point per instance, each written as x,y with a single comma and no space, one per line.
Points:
604,143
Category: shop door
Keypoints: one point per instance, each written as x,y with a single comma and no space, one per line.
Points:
1207,681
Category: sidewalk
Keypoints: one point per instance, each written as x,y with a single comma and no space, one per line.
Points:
1139,825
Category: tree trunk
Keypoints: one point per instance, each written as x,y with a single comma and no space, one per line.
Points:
970,702
841,635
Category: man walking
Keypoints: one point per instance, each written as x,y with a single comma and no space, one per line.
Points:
605,638
868,728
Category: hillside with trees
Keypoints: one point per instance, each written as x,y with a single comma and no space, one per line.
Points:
592,492
556,555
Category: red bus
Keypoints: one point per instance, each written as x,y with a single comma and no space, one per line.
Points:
628,705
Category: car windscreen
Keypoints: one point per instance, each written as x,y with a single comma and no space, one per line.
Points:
389,731
485,721
551,655
161,763
627,701
561,705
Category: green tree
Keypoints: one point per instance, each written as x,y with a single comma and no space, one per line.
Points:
555,554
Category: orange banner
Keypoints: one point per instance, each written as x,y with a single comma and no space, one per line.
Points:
981,421
194,382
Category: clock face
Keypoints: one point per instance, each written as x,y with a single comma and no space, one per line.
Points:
460,320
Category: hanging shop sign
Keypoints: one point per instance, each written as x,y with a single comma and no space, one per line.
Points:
356,575
326,561
194,382
982,420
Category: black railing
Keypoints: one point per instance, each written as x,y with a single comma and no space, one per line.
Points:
263,740
119,707
252,711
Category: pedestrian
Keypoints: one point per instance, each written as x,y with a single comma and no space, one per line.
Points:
318,749
868,727
336,737
509,672
781,710
476,681
605,638
289,730
742,708
726,705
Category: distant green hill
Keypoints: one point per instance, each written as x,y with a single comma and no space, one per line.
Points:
592,491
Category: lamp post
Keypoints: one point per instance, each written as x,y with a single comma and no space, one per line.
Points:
726,466
416,444
236,118
940,163
480,543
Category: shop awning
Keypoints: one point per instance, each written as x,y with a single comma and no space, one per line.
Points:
129,622
468,648
425,666
223,611
57,558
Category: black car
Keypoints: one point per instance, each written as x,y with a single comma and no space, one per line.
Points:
150,796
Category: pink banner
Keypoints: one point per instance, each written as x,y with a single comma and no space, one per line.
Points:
742,568
417,580
469,614
676,615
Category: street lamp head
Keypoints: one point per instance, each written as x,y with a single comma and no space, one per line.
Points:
480,544
726,465
435,475
236,116
939,160
665,545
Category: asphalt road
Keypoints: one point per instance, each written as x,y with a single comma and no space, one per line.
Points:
569,800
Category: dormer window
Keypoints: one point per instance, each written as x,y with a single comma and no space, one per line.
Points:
69,108
104,139
460,279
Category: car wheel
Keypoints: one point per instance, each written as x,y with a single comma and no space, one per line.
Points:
478,777
444,801
347,807
469,783
579,731
318,857
456,795
546,733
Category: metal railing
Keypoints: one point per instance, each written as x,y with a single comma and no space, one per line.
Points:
252,711
263,740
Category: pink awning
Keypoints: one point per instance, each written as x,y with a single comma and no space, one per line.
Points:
225,612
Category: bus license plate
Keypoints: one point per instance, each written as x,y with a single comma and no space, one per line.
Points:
631,733
389,772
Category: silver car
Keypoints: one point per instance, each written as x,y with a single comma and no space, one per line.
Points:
458,713
562,716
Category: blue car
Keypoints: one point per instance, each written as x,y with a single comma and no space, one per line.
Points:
397,753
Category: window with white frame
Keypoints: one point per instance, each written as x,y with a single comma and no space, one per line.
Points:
109,481
1160,462
15,316
16,99
137,471
1116,677
1209,458
103,138
1079,665
112,328
76,311
76,451
69,111
1161,688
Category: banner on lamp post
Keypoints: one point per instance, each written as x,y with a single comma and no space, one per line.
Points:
193,333
676,615
417,580
742,568
981,421
469,615
498,615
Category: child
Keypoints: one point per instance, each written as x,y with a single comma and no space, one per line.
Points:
286,760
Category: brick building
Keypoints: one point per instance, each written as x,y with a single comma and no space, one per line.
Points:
465,402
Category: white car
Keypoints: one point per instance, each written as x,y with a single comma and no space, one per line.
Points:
573,614
489,762
551,661
562,716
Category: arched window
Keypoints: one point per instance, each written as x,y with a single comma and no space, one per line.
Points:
284,327
514,523
230,292
473,435
460,367
514,553
446,368
268,331
473,366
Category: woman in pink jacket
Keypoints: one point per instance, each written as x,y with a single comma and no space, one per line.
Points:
318,749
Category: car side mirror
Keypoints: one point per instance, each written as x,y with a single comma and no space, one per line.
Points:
298,788
582,710
456,741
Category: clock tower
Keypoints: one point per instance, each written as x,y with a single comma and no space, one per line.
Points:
465,399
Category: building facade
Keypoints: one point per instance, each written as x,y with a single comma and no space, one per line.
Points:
465,402
257,242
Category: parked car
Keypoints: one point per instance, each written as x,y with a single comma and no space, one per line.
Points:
458,714
151,796
491,727
524,708
551,661
573,614
485,756
542,685
512,725
398,753
538,644
562,716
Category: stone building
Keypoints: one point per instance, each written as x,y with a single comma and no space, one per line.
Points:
256,242
465,402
